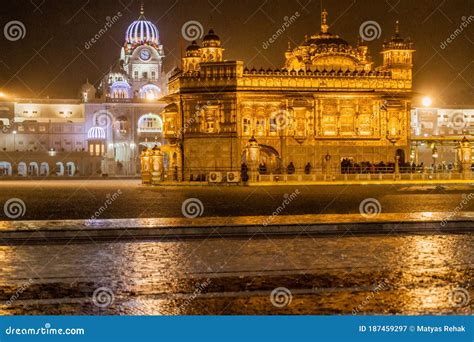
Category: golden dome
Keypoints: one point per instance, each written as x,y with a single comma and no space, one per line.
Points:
327,51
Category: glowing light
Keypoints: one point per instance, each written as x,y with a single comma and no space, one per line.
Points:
150,97
2,94
427,101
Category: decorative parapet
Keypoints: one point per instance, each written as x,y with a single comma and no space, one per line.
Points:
288,80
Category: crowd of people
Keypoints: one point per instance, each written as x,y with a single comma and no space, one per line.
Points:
348,166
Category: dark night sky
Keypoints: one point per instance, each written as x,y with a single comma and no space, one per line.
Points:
49,61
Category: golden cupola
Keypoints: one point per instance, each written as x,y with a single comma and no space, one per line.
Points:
327,52
212,50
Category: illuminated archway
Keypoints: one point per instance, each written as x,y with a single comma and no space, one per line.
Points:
120,90
150,92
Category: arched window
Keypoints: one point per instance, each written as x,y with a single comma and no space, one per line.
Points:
150,123
120,90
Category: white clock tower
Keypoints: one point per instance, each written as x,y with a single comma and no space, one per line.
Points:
142,58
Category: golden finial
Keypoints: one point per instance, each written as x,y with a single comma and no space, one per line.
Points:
324,22
397,27
142,9
289,46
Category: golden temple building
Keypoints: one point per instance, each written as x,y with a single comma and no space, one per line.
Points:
327,103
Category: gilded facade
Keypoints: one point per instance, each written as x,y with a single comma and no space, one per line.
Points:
328,99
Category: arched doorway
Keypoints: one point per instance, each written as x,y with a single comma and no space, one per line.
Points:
22,169
271,158
5,169
70,169
44,169
33,169
59,169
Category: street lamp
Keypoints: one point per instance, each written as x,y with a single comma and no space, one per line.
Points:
427,102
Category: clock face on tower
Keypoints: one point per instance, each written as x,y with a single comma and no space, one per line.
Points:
145,54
